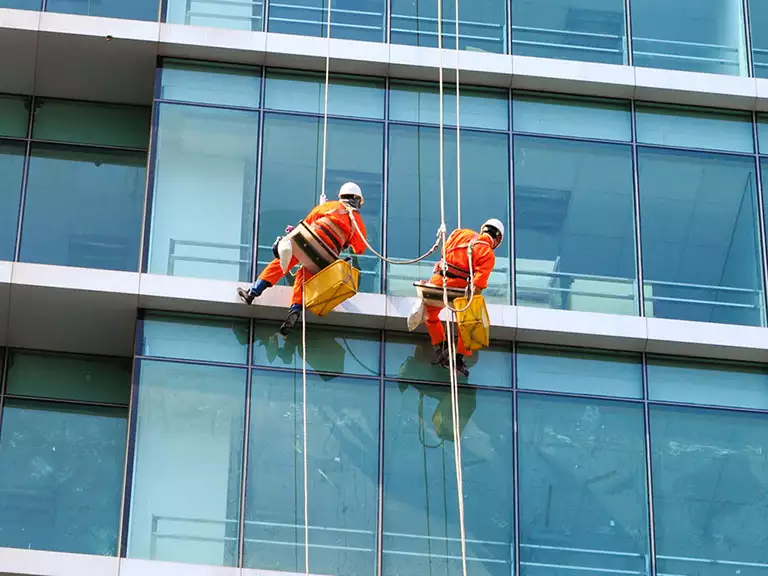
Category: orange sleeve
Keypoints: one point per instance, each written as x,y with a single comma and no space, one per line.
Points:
483,263
315,214
357,243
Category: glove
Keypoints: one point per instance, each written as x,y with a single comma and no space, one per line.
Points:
289,229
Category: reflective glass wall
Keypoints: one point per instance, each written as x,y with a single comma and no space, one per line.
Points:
600,198
573,460
73,177
130,9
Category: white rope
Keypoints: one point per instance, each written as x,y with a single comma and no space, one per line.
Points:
323,197
458,125
304,421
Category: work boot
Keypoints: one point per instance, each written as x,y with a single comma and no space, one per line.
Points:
461,366
441,354
256,290
294,312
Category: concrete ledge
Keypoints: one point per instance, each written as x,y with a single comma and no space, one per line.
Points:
114,60
94,311
16,562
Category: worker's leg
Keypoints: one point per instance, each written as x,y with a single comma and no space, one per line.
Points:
270,276
437,334
294,312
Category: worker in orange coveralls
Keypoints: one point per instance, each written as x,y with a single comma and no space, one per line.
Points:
331,222
457,276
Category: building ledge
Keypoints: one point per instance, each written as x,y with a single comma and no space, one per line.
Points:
112,60
94,311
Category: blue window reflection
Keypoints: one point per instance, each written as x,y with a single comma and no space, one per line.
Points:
11,174
350,19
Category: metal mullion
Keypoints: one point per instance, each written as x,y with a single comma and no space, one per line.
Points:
576,139
90,146
388,23
246,445
729,153
515,467
760,218
191,362
649,468
130,453
747,22
448,127
380,478
24,178
149,183
636,209
3,379
257,198
579,395
64,401
628,31
210,105
709,407
385,196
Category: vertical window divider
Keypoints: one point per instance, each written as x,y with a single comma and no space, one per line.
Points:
388,29
511,203
515,467
257,199
760,216
628,34
246,442
508,35
149,183
265,26
747,37
24,178
380,479
130,451
385,194
638,239
648,466
3,379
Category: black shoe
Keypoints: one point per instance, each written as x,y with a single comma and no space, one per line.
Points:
461,366
290,321
441,354
245,295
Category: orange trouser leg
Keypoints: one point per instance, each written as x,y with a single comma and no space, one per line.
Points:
273,273
302,275
434,325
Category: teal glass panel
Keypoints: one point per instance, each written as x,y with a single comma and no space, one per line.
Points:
201,338
292,167
351,97
248,15
421,516
583,495
84,207
570,30
411,357
574,117
762,134
78,378
89,123
342,479
483,24
709,497
704,129
11,174
350,19
414,200
712,41
579,372
22,4
701,252
333,350
420,104
132,10
574,226
211,83
204,192
187,470
14,114
61,477
739,386
758,21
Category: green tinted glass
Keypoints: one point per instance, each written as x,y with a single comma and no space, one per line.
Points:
14,116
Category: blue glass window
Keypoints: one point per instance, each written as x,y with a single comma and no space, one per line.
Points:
14,115
421,517
574,226
133,10
204,192
571,30
712,41
22,4
206,83
350,19
758,19
187,469
248,15
701,253
11,174
482,24
342,464
583,495
709,497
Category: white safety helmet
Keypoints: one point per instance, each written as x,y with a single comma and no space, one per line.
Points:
351,191
495,230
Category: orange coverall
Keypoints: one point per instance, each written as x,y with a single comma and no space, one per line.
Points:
335,212
483,262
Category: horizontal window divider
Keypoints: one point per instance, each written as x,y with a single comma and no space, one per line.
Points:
89,146
208,105
642,145
719,407
194,362
581,395
571,138
411,381
448,127
311,372
319,115
68,401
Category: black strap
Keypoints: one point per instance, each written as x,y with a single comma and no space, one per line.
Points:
331,236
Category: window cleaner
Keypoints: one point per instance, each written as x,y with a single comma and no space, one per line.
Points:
314,244
459,247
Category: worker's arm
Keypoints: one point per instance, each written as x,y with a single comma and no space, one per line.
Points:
483,263
315,214
357,244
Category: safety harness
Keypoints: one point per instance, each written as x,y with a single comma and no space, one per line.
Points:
452,271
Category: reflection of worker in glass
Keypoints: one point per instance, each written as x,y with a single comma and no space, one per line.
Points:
332,224
457,276
328,357
420,365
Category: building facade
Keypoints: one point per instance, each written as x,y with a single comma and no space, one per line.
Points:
150,423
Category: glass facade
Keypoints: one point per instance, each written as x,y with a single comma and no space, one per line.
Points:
73,182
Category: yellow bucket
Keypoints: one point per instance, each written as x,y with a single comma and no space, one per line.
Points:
474,323
330,287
